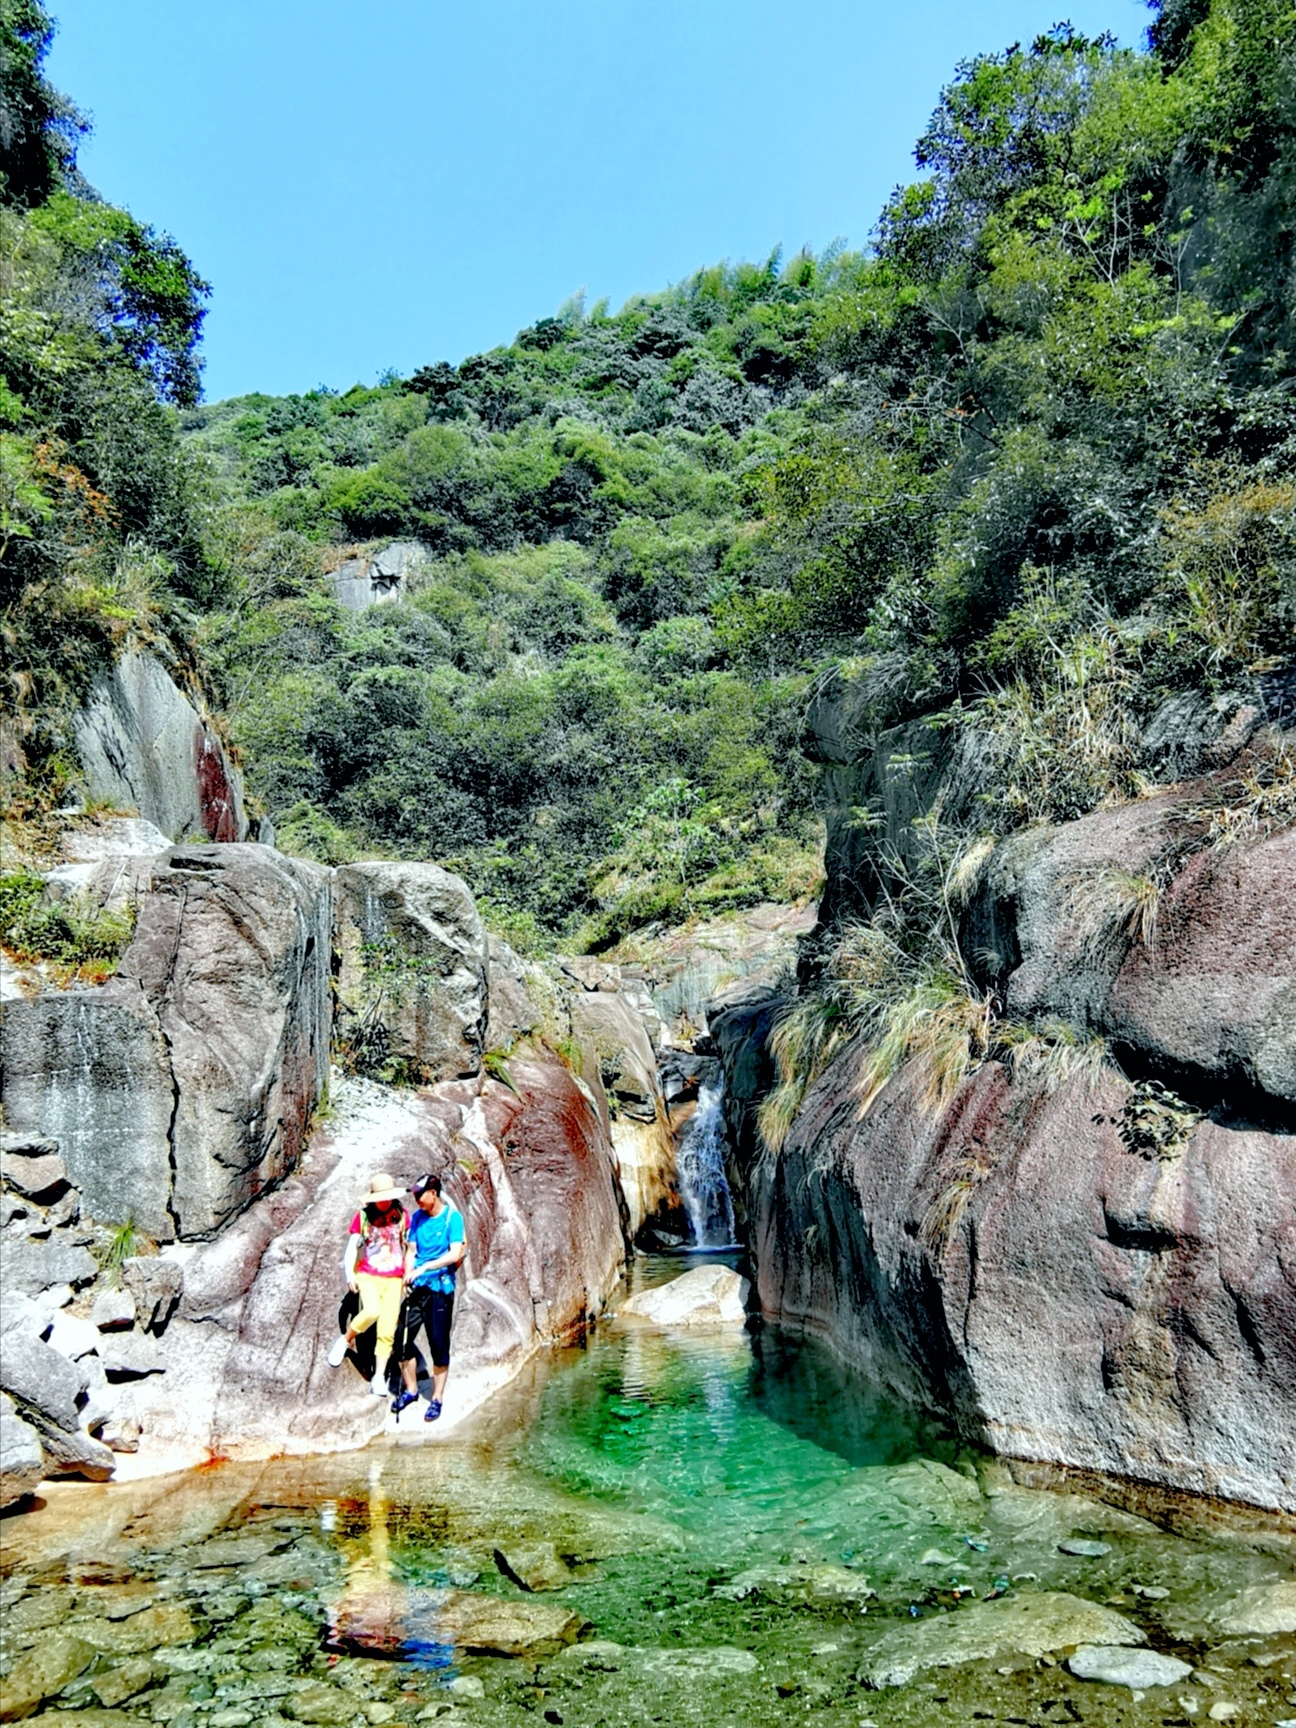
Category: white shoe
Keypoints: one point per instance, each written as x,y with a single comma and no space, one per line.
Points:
379,1387
337,1355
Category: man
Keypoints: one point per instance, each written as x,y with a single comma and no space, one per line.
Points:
436,1247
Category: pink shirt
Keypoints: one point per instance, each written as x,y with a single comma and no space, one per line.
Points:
382,1248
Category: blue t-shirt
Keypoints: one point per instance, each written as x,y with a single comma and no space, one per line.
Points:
432,1237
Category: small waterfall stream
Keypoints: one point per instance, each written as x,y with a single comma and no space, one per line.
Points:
700,1168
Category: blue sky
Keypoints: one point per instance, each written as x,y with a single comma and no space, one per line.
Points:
382,185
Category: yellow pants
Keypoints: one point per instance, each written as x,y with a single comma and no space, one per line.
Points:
380,1303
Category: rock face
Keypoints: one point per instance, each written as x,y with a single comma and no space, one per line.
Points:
1068,1299
608,1022
375,577
143,744
1208,987
682,970
413,963
1096,1271
184,1086
901,773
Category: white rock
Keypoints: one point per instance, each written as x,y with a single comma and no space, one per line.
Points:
73,1336
706,1296
1119,1665
466,1686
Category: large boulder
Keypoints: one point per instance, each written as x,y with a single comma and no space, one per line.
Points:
232,953
706,1296
413,963
107,860
145,745
180,1089
527,1162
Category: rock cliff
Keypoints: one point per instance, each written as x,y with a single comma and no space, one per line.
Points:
1092,1264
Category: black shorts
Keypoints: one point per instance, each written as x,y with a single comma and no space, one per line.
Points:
432,1310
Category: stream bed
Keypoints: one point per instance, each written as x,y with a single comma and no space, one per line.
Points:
708,1528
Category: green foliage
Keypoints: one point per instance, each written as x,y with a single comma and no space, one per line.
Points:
101,509
68,933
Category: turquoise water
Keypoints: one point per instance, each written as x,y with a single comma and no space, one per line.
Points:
707,1528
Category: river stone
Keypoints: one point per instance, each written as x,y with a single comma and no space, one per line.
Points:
232,1551
534,1566
73,1336
130,1353
165,1623
86,1716
41,1378
419,926
42,1673
122,1682
232,953
798,1583
22,1463
1259,1611
495,1626
1084,1548
1026,1625
119,1601
317,1702
951,1498
695,1664
79,1453
1120,1666
706,1296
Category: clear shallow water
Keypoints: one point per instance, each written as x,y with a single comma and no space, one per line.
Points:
751,1525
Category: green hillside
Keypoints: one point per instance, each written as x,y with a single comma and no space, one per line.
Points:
1028,463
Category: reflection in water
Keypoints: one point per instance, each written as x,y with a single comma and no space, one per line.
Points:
376,1613
803,1387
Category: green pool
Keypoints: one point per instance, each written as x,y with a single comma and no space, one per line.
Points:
707,1529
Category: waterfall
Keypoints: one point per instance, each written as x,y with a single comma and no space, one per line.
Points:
700,1167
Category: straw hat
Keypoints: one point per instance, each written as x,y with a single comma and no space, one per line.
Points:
382,1186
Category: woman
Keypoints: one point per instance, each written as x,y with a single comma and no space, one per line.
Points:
374,1267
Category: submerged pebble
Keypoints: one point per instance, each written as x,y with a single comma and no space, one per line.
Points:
1120,1666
